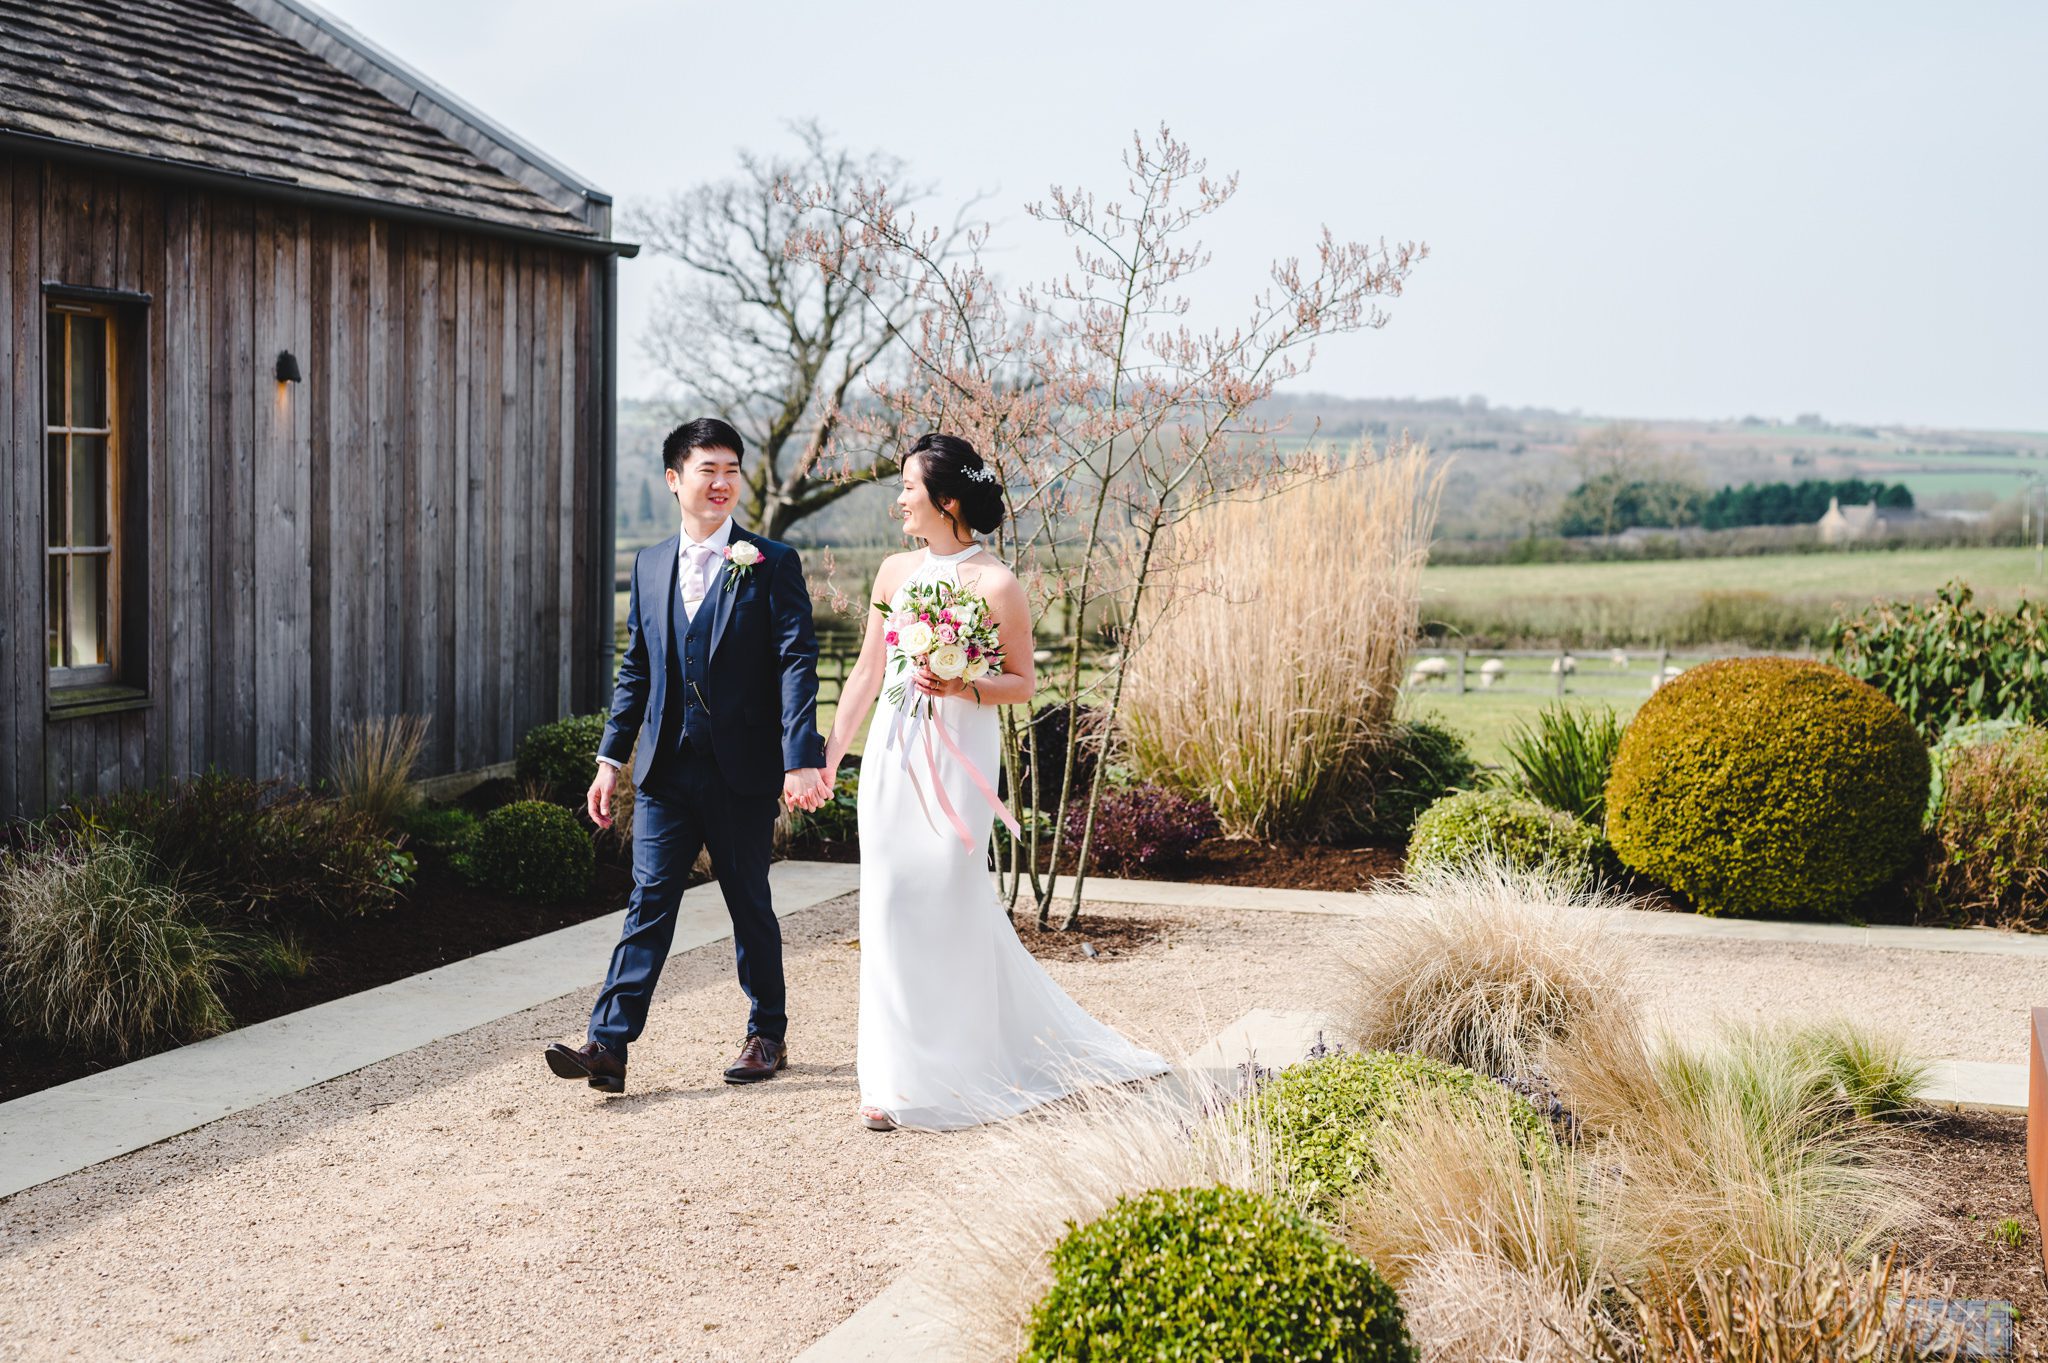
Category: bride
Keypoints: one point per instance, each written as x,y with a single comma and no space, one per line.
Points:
958,1024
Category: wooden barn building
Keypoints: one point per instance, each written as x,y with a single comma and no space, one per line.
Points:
306,402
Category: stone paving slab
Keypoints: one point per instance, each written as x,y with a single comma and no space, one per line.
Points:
59,1130
1356,904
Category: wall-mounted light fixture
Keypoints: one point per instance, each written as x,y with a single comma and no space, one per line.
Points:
287,367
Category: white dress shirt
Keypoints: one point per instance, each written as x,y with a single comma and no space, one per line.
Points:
696,576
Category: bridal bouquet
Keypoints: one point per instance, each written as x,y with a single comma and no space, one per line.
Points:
945,628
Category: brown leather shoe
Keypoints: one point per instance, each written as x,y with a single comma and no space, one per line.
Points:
589,1061
759,1059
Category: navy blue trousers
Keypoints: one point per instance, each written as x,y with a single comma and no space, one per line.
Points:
688,808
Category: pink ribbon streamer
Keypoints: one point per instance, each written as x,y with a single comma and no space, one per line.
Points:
973,774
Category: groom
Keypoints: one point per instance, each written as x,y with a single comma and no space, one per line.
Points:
720,685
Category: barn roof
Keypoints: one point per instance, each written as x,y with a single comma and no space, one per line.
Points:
278,93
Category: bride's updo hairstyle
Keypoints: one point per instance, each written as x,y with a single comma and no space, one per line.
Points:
953,472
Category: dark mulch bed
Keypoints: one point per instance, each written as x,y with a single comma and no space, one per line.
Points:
442,919
1974,1165
1118,936
1222,861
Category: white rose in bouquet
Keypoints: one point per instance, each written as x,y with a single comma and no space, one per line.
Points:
916,637
947,661
977,668
966,614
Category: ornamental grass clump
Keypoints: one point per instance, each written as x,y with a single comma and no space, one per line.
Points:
1475,827
373,766
1827,1311
1326,1116
1267,672
1768,786
98,952
1212,1273
532,849
1486,965
1989,863
1744,1149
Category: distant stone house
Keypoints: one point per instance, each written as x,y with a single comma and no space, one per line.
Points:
306,404
1840,524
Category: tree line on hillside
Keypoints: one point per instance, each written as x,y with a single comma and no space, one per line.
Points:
1609,502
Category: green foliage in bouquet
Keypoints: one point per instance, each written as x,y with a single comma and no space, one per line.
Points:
1768,786
1212,1273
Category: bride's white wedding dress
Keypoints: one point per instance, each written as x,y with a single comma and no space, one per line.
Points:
959,1025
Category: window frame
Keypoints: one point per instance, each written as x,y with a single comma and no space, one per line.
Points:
118,683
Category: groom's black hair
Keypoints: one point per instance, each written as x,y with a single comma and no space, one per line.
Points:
705,433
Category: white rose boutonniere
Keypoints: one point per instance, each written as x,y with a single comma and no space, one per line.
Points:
741,556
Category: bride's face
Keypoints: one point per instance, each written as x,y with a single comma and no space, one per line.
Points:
921,518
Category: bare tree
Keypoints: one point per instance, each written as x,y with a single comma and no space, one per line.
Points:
1110,418
774,342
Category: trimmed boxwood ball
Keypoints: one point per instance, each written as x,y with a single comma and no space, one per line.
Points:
1768,786
1325,1115
1202,1273
1476,825
561,756
532,849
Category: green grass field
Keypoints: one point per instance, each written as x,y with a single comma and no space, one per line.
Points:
1852,577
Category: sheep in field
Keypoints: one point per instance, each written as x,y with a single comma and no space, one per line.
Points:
1491,671
1429,670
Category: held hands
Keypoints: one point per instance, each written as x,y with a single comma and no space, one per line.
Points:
598,800
805,788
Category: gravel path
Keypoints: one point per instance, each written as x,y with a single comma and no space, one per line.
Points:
460,1202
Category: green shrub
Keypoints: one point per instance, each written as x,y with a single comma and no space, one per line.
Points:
1212,1273
1948,660
1564,759
1958,738
448,828
1768,786
532,849
261,849
98,952
1422,760
1326,1114
1989,863
1476,826
561,756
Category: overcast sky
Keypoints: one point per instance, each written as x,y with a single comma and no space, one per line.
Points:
1633,210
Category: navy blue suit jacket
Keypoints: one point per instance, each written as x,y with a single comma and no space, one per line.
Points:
762,688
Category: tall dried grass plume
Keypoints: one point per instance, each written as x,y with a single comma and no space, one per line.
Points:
1268,673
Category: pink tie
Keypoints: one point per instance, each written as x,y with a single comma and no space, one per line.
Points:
703,560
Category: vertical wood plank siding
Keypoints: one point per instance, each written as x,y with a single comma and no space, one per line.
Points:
411,529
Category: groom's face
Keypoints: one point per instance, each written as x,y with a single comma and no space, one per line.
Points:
708,484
